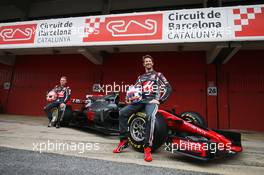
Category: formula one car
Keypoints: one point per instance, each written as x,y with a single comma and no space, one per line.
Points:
185,133
98,112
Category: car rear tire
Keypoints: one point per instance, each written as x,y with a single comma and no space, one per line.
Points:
66,118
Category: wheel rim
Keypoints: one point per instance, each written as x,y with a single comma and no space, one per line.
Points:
189,120
137,129
54,114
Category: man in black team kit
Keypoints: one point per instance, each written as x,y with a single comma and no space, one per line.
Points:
151,98
63,93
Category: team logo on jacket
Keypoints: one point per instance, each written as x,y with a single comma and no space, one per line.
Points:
61,94
148,86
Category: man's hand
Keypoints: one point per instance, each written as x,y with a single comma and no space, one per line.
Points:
155,101
62,105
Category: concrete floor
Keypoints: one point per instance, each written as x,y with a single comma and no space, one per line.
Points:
32,133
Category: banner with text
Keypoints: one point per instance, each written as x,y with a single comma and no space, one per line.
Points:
238,23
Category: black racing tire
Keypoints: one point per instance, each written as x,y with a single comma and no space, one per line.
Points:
194,118
160,131
54,113
66,118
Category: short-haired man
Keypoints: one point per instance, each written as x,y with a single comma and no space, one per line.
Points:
63,93
151,98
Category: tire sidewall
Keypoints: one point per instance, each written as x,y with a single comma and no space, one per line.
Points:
160,132
195,118
139,146
54,113
66,118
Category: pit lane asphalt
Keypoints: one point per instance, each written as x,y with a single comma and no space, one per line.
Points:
22,132
14,161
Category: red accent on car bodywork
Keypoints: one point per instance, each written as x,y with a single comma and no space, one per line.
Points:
180,125
90,115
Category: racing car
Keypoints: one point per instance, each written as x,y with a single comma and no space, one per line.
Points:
185,133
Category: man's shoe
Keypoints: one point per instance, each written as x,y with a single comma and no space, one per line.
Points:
123,144
49,125
147,152
57,125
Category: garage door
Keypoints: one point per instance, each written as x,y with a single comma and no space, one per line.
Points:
5,77
35,75
244,102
